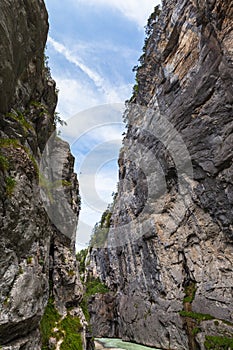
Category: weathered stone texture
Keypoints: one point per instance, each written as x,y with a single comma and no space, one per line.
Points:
169,239
32,249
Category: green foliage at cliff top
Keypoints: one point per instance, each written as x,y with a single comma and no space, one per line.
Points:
101,229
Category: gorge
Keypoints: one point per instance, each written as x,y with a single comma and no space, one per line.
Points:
159,269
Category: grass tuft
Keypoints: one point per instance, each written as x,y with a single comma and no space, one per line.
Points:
72,328
218,343
190,292
10,185
48,323
68,329
196,316
4,163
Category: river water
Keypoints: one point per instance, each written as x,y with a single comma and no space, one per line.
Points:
118,344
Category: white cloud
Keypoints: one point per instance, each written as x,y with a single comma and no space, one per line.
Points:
106,180
95,201
91,47
98,80
110,94
74,96
102,122
136,10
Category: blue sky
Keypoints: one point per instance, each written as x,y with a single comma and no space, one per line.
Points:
92,48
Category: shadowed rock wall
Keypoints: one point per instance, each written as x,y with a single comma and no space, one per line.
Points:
169,251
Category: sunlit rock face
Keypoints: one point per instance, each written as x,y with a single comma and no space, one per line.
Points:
169,247
36,256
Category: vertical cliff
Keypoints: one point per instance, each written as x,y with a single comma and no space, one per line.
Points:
168,256
37,253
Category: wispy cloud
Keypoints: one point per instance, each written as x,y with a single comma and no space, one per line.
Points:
75,96
111,94
135,10
98,80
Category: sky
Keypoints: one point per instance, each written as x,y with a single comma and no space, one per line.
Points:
92,47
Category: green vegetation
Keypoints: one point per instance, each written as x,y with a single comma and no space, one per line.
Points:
20,118
40,106
101,229
33,161
227,322
29,260
59,120
71,273
81,257
196,316
14,143
21,271
95,286
218,343
52,325
190,291
72,328
4,163
196,330
6,143
6,301
92,287
153,19
105,219
135,89
47,69
48,76
10,185
66,183
41,262
84,307
48,322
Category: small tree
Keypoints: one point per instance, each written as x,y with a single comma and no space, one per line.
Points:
153,19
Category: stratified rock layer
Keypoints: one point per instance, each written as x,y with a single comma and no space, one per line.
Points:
37,258
170,241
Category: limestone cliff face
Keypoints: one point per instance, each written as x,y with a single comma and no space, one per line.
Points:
169,251
37,258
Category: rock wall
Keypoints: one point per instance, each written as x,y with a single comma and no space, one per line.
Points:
169,251
37,257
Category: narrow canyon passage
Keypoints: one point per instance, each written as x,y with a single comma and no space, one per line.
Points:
158,271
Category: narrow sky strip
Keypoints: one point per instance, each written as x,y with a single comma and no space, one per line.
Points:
92,48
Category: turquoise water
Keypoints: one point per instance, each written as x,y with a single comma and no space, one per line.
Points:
118,343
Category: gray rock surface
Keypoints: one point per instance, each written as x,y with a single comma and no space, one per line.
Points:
103,311
37,257
172,223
